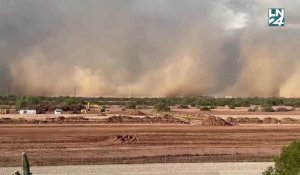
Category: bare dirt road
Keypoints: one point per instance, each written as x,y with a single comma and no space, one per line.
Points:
245,168
89,144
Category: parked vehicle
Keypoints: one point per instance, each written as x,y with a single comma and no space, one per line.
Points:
58,111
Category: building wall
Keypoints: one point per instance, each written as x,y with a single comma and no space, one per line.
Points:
27,112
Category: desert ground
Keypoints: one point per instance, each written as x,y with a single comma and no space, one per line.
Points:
89,144
143,136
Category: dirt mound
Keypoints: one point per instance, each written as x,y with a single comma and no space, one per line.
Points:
126,139
165,119
231,120
72,118
267,120
129,112
17,121
271,120
123,119
62,119
288,121
213,121
254,120
244,120
135,113
59,119
6,120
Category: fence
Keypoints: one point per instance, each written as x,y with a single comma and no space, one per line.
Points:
127,155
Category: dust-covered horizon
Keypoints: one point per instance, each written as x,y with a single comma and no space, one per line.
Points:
153,48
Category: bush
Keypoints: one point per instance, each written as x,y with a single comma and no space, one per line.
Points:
69,101
33,100
231,106
213,107
269,171
267,109
162,106
183,106
255,109
22,102
288,163
130,105
205,108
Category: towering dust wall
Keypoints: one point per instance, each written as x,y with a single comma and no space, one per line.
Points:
156,48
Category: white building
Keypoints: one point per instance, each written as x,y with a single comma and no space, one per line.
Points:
29,112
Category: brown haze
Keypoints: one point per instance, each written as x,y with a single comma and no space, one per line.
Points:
156,48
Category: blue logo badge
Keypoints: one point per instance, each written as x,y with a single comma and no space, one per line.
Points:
276,17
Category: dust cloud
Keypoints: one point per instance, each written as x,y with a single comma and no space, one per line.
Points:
153,48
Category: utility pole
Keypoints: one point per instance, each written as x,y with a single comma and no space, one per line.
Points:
74,92
131,92
8,91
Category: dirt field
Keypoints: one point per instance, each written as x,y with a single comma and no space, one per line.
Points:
138,137
133,143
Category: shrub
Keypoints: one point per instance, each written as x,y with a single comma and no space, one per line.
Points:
269,171
130,105
255,109
33,100
183,106
194,104
69,101
267,109
231,106
213,107
288,163
205,108
20,102
162,106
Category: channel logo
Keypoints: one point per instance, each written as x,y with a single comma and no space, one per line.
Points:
276,17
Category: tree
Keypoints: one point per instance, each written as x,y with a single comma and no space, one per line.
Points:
26,101
130,105
162,106
69,101
20,103
231,106
33,100
288,163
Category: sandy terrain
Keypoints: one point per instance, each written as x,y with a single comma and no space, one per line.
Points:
132,143
93,143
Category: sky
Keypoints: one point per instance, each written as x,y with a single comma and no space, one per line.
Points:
151,48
